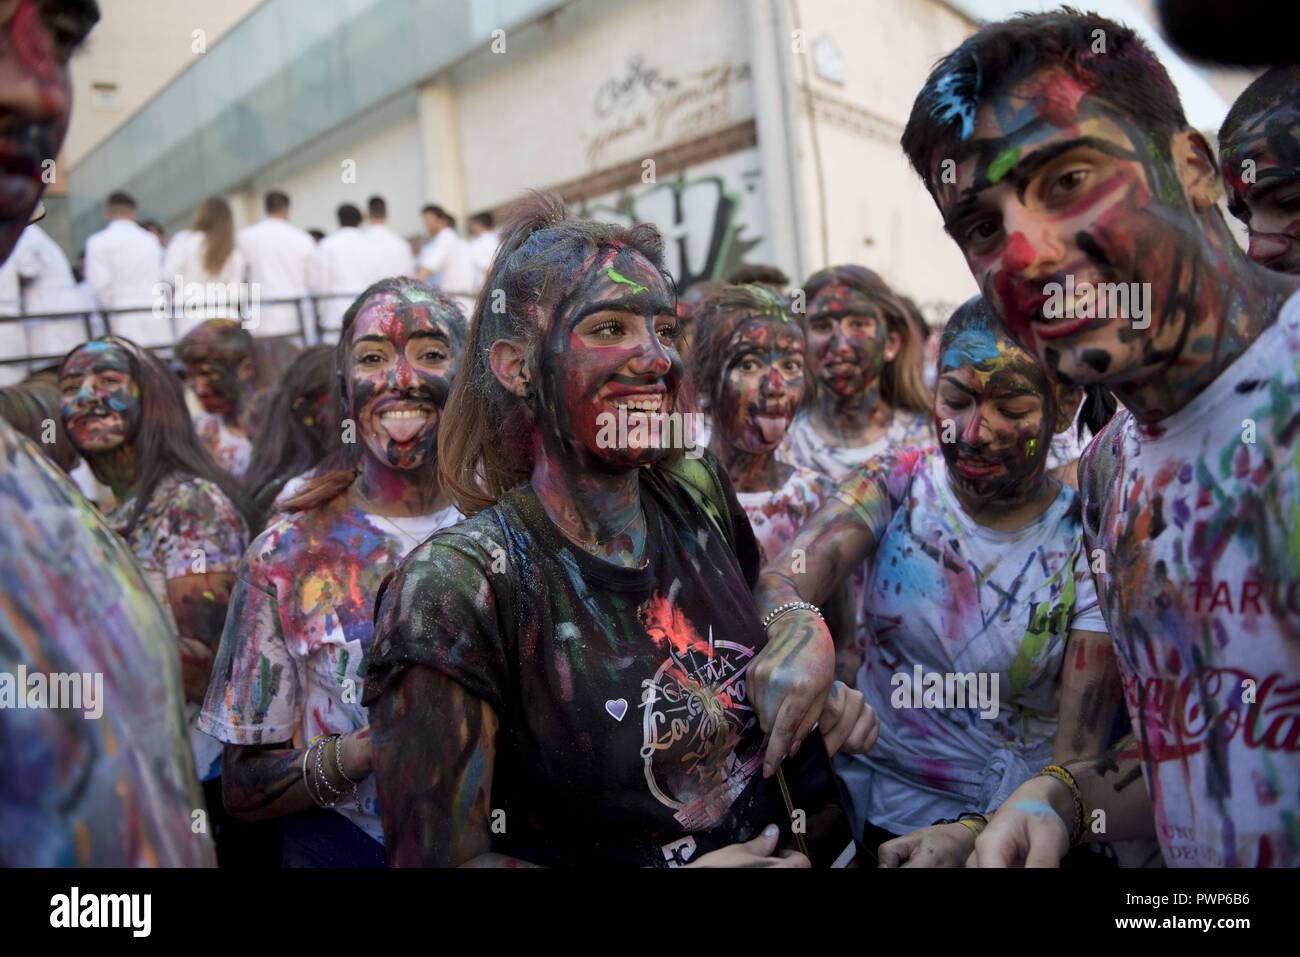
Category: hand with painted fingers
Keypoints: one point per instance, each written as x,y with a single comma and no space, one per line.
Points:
1029,829
790,681
760,852
941,845
847,722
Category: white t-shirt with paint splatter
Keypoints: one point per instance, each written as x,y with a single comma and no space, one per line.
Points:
955,598
1200,522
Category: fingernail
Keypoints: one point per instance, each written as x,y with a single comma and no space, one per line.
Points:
770,831
795,749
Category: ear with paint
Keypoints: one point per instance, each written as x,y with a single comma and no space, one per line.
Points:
509,361
1197,169
1067,404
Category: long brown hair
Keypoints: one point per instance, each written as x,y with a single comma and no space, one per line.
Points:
165,441
214,221
485,445
901,384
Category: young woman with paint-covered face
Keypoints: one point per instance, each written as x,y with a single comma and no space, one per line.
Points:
124,412
298,432
217,356
975,567
286,688
566,678
750,364
870,397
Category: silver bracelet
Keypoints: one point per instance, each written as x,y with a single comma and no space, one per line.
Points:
789,606
320,771
338,763
306,753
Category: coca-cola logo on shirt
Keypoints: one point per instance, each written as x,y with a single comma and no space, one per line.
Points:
1179,715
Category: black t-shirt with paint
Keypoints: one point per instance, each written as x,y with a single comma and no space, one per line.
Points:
626,737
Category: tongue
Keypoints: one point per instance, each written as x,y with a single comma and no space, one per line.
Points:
404,429
772,426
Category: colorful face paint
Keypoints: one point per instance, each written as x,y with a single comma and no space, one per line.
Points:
216,385
1261,168
35,95
1057,189
610,350
994,402
848,336
100,401
763,384
398,378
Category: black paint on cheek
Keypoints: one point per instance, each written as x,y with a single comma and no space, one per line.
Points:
363,392
1098,359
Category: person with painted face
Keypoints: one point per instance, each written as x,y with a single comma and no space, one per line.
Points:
573,661
125,414
298,432
975,567
870,395
217,356
1057,166
750,362
286,688
1259,156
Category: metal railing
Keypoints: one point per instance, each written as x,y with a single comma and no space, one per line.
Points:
99,322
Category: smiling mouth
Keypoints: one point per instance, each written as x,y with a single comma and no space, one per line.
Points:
644,403
976,468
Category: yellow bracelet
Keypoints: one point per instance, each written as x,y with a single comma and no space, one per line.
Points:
1080,809
975,826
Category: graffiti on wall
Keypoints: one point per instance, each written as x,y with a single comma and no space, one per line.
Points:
712,216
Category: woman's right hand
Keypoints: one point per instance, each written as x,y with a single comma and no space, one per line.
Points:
755,853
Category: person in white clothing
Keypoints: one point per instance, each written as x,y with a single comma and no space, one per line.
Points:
483,243
47,286
122,263
280,261
348,263
393,251
445,259
205,254
13,341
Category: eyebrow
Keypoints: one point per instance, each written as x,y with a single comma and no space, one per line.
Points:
1003,390
437,334
635,304
1023,171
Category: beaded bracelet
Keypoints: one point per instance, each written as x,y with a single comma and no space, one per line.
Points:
338,763
1080,809
322,745
973,821
789,606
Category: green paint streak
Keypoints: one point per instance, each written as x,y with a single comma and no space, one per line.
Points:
1005,160
264,684
343,664
1044,622
1031,448
616,276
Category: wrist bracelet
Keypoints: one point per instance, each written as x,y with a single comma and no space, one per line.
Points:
973,821
1080,809
789,606
338,763
320,771
306,781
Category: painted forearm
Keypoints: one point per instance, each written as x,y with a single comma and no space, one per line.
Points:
1112,782
259,783
434,748
1092,697
817,560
